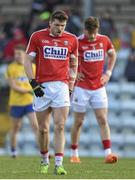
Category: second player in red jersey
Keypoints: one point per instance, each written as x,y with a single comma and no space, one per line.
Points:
90,86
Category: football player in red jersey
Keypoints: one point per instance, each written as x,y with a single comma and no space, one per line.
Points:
55,51
90,85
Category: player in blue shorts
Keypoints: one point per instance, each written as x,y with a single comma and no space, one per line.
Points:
20,98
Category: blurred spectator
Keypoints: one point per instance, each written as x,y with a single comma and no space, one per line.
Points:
18,38
3,42
125,36
50,4
130,67
74,24
39,6
6,27
43,20
107,26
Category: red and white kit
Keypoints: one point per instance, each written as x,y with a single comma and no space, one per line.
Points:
52,65
91,63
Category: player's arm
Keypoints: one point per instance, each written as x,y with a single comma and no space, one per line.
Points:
37,87
14,86
28,66
73,65
111,62
73,72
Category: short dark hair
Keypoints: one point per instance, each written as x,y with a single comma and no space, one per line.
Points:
91,23
60,15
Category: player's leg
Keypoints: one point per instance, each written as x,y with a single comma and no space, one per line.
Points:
15,127
16,121
43,113
99,103
101,115
34,124
75,136
33,119
44,126
79,103
59,116
60,109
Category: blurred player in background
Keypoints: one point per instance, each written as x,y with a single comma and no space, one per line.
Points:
90,86
21,97
55,51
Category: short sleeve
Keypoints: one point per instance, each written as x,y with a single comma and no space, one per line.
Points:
75,48
32,45
109,44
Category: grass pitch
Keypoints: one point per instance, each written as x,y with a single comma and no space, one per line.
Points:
90,168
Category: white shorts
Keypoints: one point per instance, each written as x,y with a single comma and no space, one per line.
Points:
83,98
56,95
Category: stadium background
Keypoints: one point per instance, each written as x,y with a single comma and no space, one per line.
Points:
19,18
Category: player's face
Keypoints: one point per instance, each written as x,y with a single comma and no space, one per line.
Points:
57,27
91,35
18,56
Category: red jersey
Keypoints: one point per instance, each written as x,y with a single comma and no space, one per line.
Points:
52,54
91,60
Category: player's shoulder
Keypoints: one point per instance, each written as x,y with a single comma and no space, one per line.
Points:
39,32
81,37
12,66
103,37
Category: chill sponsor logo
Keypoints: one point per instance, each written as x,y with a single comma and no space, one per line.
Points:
57,53
94,55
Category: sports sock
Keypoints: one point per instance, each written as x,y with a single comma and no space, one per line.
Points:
74,150
13,151
45,157
58,159
107,146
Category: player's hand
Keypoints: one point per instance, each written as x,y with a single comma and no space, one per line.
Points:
80,77
37,88
104,79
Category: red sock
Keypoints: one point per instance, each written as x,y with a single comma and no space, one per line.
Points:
43,152
59,154
74,146
106,144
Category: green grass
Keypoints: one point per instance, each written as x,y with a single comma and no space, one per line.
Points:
90,168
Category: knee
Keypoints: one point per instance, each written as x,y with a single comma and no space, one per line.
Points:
43,130
15,129
102,120
59,128
78,122
35,128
